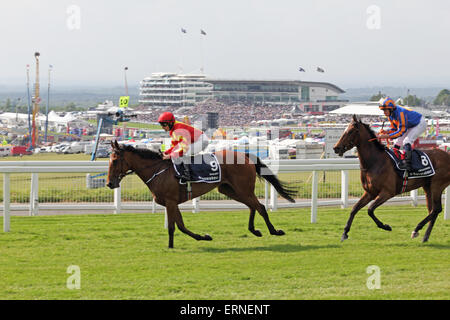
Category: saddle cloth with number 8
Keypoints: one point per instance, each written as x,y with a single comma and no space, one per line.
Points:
421,163
204,168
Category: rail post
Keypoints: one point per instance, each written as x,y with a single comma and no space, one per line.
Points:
195,205
414,198
266,194
117,200
6,203
34,200
447,204
344,188
273,199
314,196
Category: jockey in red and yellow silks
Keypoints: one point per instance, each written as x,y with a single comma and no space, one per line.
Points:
186,142
183,135
406,126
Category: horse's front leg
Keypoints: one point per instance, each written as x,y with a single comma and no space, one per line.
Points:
178,219
170,227
365,199
379,200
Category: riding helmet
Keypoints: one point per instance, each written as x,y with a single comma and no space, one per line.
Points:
166,117
387,104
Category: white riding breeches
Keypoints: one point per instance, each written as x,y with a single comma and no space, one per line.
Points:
412,133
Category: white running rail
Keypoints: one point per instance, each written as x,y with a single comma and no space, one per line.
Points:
271,199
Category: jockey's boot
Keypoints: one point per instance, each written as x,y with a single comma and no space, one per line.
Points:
408,159
186,174
406,164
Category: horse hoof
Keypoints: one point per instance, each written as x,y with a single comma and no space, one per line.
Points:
344,237
207,237
425,239
414,234
387,227
280,233
256,233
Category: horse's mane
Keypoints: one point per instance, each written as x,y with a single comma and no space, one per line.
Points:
143,153
373,136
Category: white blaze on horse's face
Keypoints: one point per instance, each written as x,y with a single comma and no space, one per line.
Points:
343,145
113,180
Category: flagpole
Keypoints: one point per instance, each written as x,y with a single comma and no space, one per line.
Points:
48,102
202,33
126,82
29,103
183,31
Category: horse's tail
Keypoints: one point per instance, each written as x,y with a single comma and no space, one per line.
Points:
264,172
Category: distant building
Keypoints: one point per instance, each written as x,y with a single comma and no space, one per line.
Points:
173,90
185,90
309,96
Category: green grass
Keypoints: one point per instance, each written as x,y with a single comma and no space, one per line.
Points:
126,257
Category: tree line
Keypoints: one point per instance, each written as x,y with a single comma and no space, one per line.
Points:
442,99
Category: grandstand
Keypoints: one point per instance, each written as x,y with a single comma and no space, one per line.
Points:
186,90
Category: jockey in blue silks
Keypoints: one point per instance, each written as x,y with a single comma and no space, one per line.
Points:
406,126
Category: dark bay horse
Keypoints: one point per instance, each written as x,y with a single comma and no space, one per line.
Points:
380,181
238,183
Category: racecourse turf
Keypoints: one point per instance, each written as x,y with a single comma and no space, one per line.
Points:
125,256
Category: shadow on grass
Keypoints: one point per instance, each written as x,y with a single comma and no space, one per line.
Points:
428,245
274,248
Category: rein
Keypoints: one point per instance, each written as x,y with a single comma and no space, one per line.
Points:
128,172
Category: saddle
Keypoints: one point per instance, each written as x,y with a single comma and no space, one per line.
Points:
420,163
203,168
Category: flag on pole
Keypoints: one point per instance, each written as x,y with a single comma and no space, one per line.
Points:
319,69
202,32
301,69
183,30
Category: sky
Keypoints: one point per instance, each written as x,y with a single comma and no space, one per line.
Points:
358,43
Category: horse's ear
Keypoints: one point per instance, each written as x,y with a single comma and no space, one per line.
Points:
355,118
115,145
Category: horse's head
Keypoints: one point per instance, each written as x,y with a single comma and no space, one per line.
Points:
349,138
118,166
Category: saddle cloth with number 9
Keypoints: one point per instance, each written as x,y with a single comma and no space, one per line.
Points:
421,164
204,168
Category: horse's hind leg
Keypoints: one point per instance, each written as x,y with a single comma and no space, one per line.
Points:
432,216
228,191
263,212
175,212
251,201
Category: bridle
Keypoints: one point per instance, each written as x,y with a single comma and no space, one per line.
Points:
350,144
130,171
122,162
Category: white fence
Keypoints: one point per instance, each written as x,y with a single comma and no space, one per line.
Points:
271,199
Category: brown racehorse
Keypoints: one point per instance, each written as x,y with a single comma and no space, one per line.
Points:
380,181
238,183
